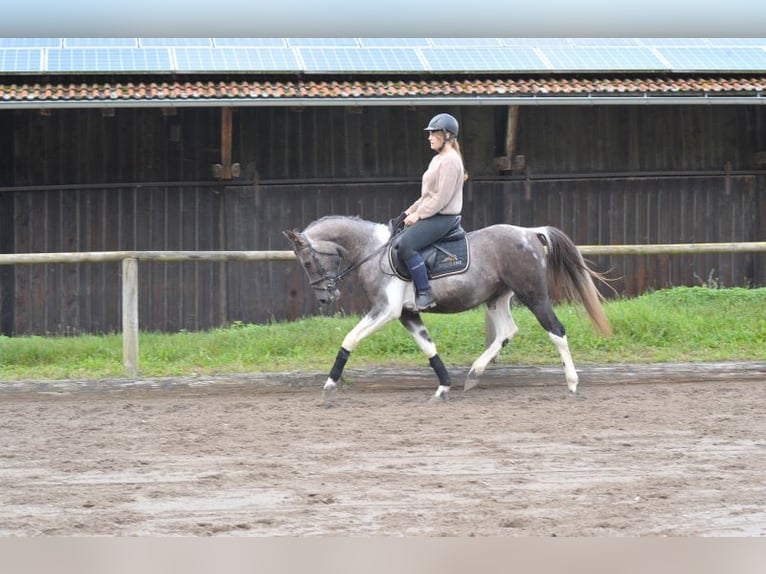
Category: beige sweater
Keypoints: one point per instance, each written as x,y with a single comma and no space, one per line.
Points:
442,188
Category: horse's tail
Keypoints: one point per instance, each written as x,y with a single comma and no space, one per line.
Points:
570,275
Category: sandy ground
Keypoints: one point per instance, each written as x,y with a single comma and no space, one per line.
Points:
673,450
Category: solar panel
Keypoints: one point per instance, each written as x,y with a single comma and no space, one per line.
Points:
109,60
715,59
326,42
174,42
30,42
482,60
236,60
21,60
598,59
250,42
737,42
361,60
100,42
381,55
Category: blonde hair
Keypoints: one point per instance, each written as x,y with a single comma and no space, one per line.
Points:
456,145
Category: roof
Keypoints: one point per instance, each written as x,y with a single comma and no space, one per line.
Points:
605,90
100,72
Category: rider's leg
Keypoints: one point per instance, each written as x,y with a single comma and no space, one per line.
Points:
410,242
424,297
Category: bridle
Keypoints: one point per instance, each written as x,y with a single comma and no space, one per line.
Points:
330,280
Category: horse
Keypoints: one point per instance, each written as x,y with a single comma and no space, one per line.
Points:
505,261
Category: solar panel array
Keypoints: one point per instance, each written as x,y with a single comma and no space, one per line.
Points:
380,55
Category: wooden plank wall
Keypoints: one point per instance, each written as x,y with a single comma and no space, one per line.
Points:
609,174
7,153
59,298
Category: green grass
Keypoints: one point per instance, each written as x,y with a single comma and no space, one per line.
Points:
673,325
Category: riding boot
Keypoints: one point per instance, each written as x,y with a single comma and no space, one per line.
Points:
424,297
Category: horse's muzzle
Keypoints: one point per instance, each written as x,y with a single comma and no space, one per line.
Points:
326,296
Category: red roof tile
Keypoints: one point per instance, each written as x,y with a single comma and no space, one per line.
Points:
362,89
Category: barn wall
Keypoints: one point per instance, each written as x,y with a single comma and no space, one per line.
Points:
142,180
7,287
603,139
373,142
281,143
193,296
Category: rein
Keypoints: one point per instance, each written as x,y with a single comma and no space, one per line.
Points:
332,281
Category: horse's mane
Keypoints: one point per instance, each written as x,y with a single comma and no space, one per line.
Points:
332,222
326,218
342,229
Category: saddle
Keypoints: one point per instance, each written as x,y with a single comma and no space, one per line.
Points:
448,256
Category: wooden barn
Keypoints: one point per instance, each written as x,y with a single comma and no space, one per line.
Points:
222,143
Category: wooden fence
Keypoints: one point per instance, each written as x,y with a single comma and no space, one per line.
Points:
130,260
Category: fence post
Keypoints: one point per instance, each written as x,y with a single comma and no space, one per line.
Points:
130,316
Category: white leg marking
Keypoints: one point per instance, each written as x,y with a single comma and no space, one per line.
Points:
378,317
442,392
330,385
566,357
503,327
423,341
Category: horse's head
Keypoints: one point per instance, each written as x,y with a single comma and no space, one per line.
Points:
321,264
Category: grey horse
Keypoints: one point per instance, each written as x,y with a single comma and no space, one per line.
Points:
506,260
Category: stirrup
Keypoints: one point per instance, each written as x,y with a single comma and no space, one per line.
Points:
424,300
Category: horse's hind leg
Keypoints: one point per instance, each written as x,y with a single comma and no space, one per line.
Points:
504,329
415,326
545,315
566,358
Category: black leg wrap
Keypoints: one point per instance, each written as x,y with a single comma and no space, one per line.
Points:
440,370
340,363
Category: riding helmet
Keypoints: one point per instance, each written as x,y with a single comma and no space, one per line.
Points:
444,122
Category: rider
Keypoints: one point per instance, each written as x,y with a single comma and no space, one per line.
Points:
441,200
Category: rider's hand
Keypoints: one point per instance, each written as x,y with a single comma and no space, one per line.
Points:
411,219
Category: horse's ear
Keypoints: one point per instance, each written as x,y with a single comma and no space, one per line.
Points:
295,237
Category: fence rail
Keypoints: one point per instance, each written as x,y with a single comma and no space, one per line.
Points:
130,260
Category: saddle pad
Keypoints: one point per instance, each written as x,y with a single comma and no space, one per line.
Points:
443,258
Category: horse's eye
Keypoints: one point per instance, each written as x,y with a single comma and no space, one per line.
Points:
307,264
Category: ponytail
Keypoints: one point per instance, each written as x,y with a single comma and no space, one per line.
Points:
460,153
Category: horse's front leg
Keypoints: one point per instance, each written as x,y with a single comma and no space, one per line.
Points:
415,326
373,321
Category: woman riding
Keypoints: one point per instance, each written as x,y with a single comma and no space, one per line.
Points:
437,209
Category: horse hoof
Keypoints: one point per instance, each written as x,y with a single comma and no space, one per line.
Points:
329,393
471,381
439,399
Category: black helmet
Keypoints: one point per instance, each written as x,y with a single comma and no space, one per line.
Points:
444,122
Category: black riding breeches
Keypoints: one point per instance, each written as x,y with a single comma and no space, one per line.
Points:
423,233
